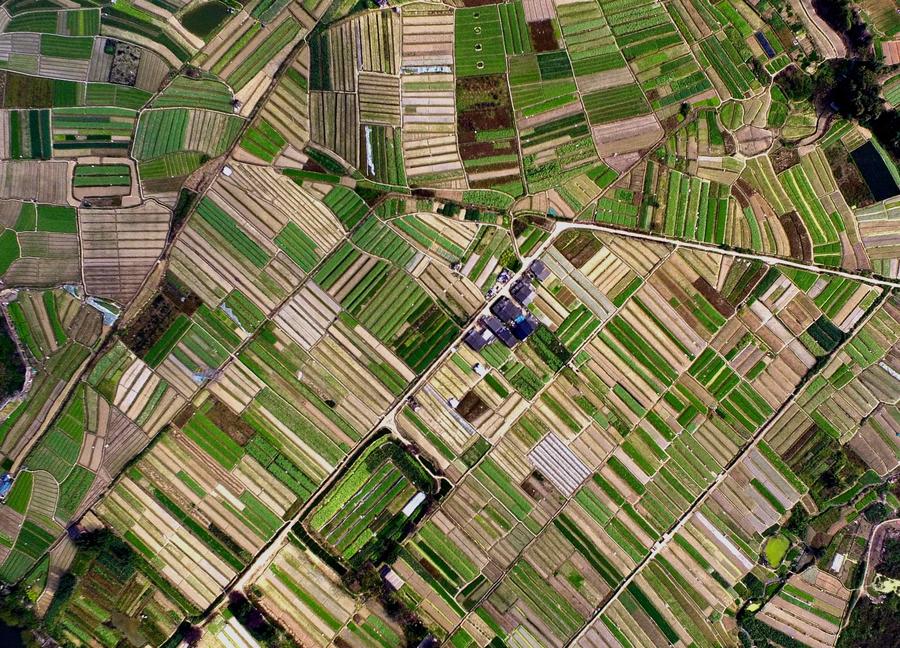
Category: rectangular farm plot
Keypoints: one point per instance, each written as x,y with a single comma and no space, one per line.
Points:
287,108
218,253
297,220
728,53
542,83
307,598
206,93
381,154
316,407
427,85
692,207
66,47
658,56
370,290
486,132
823,228
560,153
447,239
616,103
535,606
28,134
120,246
92,131
42,247
590,44
102,175
479,41
371,504
254,49
379,99
166,131
430,149
809,608
559,464
220,484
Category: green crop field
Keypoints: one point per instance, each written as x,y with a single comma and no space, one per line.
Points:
479,41
66,47
616,103
160,132
254,61
366,506
195,93
480,324
97,175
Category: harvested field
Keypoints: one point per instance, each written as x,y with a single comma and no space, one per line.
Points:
120,247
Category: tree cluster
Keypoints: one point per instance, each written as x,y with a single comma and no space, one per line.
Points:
872,625
12,369
877,512
889,565
257,624
368,583
845,19
852,89
798,523
757,634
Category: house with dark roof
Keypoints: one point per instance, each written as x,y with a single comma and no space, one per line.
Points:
524,326
477,340
539,269
499,329
505,309
522,292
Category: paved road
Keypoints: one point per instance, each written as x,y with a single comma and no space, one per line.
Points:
708,247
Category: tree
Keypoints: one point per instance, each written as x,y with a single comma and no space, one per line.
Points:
796,84
192,635
844,19
889,565
854,89
851,88
798,523
877,512
12,369
887,128
872,625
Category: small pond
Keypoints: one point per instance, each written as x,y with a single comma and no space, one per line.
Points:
10,636
875,171
204,19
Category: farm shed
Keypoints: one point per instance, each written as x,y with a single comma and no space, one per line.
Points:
477,340
539,269
522,292
524,326
499,329
505,309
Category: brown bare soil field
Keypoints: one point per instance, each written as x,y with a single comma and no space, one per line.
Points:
627,135
120,247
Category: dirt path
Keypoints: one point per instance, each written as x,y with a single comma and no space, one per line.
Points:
826,39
